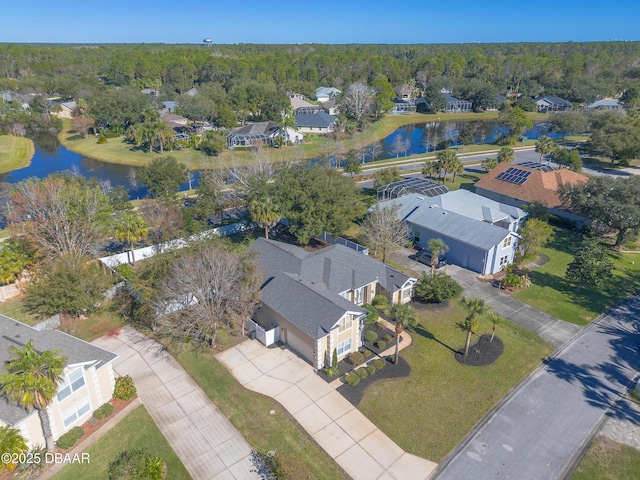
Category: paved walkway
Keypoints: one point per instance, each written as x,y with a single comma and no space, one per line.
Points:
622,427
556,332
204,439
350,438
539,430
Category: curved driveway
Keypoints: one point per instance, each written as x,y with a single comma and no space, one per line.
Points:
540,429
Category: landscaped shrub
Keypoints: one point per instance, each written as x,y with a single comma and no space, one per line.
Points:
352,379
367,353
388,338
391,359
333,370
362,372
136,464
125,270
356,358
512,280
104,411
370,337
379,363
437,288
102,139
70,438
380,344
380,302
124,389
373,314
371,369
272,463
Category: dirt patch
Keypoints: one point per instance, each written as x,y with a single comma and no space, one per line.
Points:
484,352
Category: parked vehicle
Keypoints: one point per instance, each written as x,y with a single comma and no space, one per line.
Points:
424,256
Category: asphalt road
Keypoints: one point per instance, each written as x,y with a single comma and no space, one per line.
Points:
538,431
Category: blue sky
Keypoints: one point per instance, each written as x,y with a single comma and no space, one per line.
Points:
306,21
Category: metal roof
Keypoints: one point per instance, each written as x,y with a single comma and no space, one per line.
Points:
410,185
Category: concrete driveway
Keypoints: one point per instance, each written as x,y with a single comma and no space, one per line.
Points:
204,439
540,429
351,439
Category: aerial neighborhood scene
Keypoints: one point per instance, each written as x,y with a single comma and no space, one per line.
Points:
283,242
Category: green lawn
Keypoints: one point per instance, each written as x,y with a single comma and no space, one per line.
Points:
137,430
14,308
250,413
15,152
555,295
432,410
608,460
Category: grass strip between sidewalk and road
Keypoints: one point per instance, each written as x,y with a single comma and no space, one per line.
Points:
607,459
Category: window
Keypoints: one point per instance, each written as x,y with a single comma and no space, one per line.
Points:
345,324
72,383
358,296
507,242
76,412
416,236
503,261
406,293
344,347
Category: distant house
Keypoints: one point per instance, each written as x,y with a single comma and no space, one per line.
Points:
519,185
88,381
150,92
66,110
331,107
191,92
403,106
605,104
252,135
173,118
324,94
481,233
319,122
291,135
500,99
405,91
169,106
17,98
552,103
454,104
297,102
315,298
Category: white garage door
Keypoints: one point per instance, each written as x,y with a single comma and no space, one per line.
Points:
301,347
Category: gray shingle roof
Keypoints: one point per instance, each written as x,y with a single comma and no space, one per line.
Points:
555,100
265,128
318,120
17,334
476,206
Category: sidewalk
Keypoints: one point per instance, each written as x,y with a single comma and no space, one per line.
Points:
350,438
204,439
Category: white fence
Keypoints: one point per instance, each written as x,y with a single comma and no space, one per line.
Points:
146,252
266,337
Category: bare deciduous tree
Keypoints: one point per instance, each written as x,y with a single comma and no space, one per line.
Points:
209,288
383,230
165,221
358,100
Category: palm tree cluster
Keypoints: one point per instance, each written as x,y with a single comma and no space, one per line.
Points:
476,309
447,162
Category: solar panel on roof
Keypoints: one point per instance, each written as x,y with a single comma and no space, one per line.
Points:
537,166
514,175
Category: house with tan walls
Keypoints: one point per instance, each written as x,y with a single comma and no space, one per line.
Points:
316,298
88,382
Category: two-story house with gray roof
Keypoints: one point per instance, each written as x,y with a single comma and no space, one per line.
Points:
88,381
316,297
481,233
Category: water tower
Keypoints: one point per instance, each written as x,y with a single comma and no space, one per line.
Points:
207,42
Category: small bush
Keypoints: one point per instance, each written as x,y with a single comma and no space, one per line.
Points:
391,359
70,438
381,325
379,363
373,314
102,139
380,302
367,353
125,270
371,369
124,389
631,246
104,411
362,372
370,337
356,358
352,379
512,280
381,344
388,338
136,464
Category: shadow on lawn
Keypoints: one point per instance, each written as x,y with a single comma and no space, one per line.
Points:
429,336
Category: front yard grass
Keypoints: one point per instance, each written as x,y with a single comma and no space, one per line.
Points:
136,430
14,308
15,152
432,410
608,460
552,293
250,413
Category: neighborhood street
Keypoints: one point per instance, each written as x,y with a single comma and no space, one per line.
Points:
539,430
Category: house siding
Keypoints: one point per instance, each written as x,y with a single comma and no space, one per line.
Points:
293,336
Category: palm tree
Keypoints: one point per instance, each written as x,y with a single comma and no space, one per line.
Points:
31,380
403,316
430,168
496,320
475,307
164,133
544,145
130,227
489,163
446,159
506,154
265,214
456,167
11,442
437,247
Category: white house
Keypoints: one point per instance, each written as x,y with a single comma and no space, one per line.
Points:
324,94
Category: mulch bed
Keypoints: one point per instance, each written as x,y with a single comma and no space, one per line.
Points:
482,353
354,394
382,333
343,365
